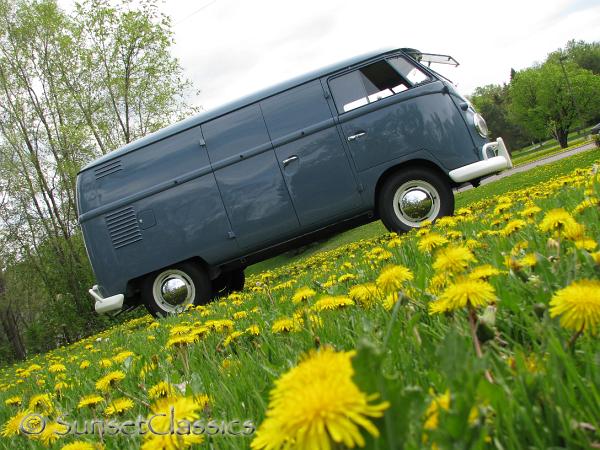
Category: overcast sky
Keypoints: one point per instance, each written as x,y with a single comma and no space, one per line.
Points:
230,48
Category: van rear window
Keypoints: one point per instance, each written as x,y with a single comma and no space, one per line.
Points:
374,82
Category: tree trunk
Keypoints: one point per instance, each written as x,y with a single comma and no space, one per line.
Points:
11,329
562,137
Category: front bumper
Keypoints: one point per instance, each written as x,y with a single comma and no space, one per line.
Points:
488,165
104,305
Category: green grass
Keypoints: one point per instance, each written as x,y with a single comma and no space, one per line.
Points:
525,158
374,229
552,143
534,385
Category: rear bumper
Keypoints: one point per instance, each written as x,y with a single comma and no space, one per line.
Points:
104,305
495,159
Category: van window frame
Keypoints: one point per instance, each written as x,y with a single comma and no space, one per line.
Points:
348,70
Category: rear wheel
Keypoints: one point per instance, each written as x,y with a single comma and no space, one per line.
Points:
171,290
413,196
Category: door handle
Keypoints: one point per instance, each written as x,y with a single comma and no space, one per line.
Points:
291,159
356,136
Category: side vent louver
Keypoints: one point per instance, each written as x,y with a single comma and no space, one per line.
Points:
108,169
123,227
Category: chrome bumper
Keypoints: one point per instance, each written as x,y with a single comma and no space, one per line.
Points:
489,165
104,305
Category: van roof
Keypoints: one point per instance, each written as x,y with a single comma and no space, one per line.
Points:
233,105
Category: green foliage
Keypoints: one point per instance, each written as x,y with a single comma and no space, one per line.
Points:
72,87
554,97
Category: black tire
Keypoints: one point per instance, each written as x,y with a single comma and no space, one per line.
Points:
430,191
193,284
228,282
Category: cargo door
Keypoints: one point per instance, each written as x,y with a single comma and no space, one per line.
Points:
249,179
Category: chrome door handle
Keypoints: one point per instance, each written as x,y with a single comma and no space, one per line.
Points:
285,162
356,136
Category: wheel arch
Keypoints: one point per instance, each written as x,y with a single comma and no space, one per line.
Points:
413,163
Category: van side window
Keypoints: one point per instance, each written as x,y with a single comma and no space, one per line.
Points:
374,82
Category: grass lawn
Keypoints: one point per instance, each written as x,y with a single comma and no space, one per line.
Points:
516,181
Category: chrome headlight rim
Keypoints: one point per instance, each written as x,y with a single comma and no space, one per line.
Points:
480,125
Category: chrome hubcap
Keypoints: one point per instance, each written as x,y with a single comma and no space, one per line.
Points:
415,202
173,290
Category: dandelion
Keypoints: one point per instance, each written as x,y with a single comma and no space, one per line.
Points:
432,415
122,356
231,337
332,302
316,404
253,330
182,341
303,294
82,445
431,241
105,363
118,406
13,401
84,364
14,425
161,390
393,277
453,259
90,400
108,381
483,272
56,368
463,293
530,211
41,403
578,306
51,433
557,220
240,315
364,294
286,325
513,226
185,410
346,277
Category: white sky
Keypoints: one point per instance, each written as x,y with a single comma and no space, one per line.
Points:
230,48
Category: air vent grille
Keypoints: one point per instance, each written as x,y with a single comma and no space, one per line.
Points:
123,227
108,169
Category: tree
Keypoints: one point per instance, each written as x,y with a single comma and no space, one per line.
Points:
492,102
72,87
554,97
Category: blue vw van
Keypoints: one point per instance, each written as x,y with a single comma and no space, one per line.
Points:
174,218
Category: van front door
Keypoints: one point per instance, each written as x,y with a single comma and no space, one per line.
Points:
390,108
311,155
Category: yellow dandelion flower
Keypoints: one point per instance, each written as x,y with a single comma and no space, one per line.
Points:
84,364
220,325
530,211
42,403
327,406
453,259
346,277
13,425
82,445
465,292
364,294
118,406
578,305
13,401
432,414
253,330
431,241
231,337
483,272
557,220
240,315
332,302
122,356
182,341
389,301
105,363
51,433
303,294
161,390
513,226
56,368
393,277
153,326
286,325
90,400
105,383
184,409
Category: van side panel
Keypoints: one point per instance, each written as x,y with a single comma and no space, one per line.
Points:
249,179
179,217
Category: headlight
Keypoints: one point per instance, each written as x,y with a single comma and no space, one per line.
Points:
480,125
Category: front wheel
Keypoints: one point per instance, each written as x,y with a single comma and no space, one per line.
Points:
171,290
411,197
